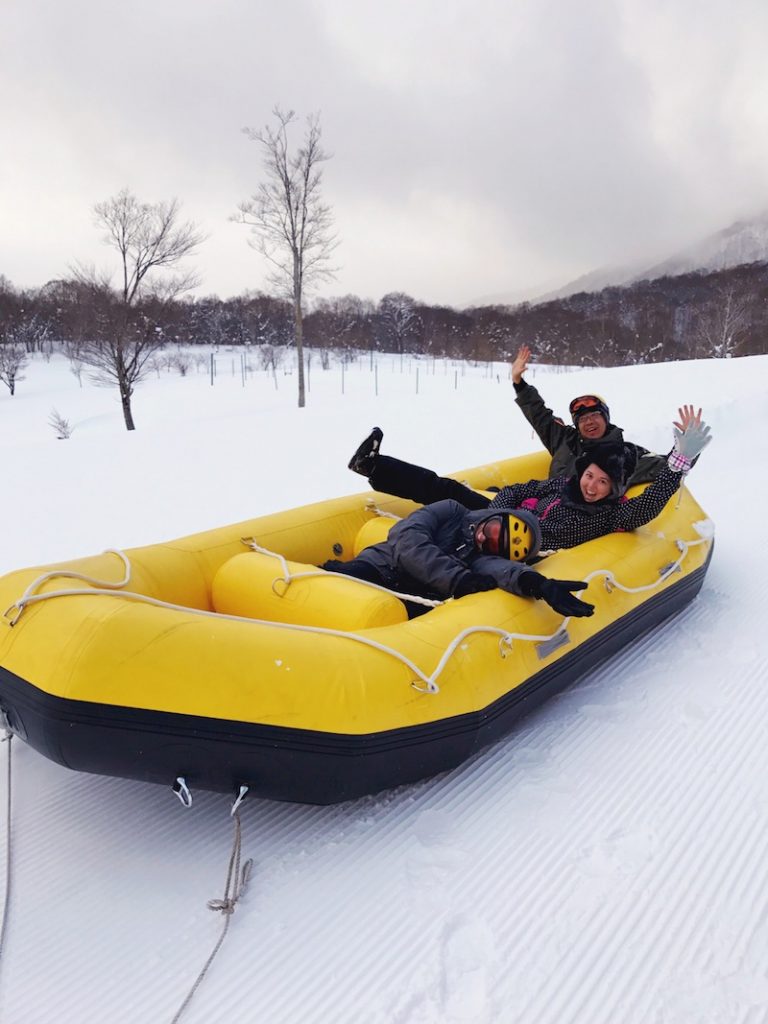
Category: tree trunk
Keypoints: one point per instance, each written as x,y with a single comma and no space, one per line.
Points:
127,413
298,330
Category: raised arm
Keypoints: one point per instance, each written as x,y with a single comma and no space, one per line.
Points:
552,433
691,435
520,364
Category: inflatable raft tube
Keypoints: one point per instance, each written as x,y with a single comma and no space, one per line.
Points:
227,658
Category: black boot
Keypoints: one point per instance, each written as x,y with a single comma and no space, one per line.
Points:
363,459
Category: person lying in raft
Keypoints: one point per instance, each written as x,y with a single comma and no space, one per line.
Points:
444,550
430,547
591,426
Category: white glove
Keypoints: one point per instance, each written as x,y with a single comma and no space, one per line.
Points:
688,444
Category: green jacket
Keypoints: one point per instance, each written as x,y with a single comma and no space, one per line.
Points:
565,444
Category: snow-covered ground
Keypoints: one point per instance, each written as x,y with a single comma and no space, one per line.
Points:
604,863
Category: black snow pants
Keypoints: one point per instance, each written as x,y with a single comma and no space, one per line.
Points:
361,569
404,480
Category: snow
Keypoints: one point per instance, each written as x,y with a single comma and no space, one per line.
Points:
604,862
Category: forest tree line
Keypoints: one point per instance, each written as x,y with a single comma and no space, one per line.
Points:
699,315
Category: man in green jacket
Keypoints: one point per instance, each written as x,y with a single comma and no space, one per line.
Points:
591,425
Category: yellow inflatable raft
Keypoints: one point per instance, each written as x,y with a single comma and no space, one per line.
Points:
227,659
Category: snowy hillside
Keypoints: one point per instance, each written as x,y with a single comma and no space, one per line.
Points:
745,241
604,864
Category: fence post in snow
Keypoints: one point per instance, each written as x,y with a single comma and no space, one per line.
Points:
212,369
417,380
455,380
342,378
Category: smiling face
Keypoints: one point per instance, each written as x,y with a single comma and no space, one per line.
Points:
591,425
595,484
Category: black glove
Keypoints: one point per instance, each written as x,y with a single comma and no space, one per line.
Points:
557,593
473,583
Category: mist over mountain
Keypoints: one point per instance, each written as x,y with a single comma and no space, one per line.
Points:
744,241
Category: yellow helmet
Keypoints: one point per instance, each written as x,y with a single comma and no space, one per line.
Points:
510,534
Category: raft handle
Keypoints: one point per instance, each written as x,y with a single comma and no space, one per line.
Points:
17,609
243,792
182,791
429,687
560,639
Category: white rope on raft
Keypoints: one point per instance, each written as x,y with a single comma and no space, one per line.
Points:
104,588
288,577
611,581
371,506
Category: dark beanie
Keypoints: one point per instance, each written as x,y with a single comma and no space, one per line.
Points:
615,460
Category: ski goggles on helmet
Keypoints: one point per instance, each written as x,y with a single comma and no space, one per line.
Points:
507,536
492,535
586,405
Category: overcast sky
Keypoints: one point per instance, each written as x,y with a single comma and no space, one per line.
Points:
480,147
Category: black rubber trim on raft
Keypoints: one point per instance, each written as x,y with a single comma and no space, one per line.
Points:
300,765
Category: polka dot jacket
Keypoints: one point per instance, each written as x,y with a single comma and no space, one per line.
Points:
567,520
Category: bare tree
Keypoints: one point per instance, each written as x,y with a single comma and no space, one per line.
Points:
290,224
13,359
399,319
31,332
722,324
148,238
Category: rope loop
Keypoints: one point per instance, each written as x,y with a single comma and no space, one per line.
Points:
430,686
371,506
182,791
239,799
17,608
276,590
506,645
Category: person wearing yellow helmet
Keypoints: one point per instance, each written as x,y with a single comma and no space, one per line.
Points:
444,550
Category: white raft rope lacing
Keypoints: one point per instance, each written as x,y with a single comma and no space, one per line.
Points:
237,881
424,683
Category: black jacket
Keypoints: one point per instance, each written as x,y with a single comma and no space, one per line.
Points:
429,552
565,444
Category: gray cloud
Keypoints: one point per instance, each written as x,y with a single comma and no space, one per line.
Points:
480,146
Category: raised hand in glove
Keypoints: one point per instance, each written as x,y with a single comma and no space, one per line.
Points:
691,438
557,593
474,583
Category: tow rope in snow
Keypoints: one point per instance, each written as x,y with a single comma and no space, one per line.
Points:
237,881
8,738
424,683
